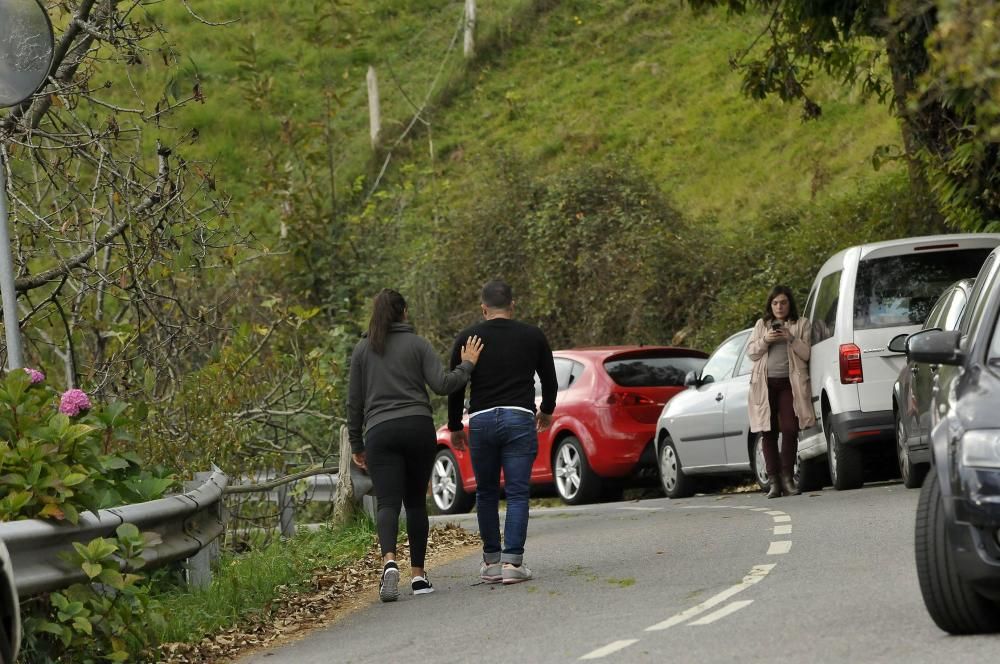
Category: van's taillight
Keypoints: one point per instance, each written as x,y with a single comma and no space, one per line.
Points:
629,399
850,364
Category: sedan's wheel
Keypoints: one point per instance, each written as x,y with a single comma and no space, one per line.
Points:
575,481
760,464
952,602
446,485
675,483
912,474
846,470
811,474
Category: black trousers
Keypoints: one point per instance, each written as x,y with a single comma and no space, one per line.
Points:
400,457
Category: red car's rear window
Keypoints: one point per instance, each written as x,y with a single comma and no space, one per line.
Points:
651,370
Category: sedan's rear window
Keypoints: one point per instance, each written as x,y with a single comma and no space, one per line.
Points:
900,290
652,371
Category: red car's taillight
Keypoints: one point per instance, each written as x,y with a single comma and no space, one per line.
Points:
629,399
850,364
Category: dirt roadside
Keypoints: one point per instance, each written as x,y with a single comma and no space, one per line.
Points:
336,593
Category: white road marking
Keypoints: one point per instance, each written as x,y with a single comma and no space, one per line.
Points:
783,530
759,509
732,607
778,548
755,576
776,513
610,648
782,519
642,509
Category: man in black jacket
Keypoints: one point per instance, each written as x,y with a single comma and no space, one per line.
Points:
503,425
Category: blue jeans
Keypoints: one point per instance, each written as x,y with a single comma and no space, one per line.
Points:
503,439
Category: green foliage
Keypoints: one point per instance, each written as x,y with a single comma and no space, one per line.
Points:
53,466
247,585
940,61
111,618
788,244
270,395
595,254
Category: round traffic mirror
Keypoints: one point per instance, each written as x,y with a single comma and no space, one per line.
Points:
26,46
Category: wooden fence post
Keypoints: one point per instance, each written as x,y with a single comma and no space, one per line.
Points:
374,108
286,509
470,29
345,505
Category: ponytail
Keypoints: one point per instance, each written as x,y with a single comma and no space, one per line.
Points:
388,308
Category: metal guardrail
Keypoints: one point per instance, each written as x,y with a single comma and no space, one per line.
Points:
186,523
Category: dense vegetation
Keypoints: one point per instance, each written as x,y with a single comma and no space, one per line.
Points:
201,217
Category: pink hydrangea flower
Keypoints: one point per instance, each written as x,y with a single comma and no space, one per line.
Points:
36,375
74,402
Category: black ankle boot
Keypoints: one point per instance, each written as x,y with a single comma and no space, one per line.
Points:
788,485
775,491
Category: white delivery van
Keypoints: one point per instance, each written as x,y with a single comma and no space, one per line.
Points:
861,298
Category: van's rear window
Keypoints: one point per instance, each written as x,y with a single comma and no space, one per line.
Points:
652,371
900,290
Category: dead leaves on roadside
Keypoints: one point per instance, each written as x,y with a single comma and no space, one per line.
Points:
332,592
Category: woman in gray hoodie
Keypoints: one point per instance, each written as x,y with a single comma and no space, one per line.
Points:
391,427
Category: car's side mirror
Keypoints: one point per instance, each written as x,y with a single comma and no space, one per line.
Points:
898,343
705,380
936,347
691,379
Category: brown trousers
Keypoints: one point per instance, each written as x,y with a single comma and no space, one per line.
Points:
783,420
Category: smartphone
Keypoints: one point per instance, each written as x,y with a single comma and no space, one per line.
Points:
776,325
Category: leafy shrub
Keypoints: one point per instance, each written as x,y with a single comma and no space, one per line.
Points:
112,618
788,246
596,254
54,465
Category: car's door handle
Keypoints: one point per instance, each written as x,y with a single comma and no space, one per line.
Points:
934,368
914,370
718,397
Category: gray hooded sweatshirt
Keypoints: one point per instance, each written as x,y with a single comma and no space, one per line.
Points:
389,386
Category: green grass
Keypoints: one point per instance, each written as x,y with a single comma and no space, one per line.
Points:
248,583
558,82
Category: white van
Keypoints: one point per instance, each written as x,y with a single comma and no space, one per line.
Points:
861,298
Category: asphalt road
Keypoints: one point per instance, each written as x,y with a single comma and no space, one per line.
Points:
824,577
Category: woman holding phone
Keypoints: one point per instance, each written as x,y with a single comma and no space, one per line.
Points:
780,393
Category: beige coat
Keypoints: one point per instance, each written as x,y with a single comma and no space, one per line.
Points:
798,373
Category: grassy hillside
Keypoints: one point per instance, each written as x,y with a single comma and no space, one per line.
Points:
584,79
651,80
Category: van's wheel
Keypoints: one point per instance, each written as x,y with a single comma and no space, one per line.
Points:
912,474
446,485
576,483
759,465
675,483
951,601
846,470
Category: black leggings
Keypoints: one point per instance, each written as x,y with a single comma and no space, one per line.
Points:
400,457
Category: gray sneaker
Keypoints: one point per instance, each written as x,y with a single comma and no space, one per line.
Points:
388,588
515,574
490,572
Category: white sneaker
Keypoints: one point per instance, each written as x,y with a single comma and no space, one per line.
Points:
515,573
421,585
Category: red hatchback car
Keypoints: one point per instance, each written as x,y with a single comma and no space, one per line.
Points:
602,428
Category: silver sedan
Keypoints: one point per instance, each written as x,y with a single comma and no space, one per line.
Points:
705,430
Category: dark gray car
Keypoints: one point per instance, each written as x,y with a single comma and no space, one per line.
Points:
958,515
911,395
